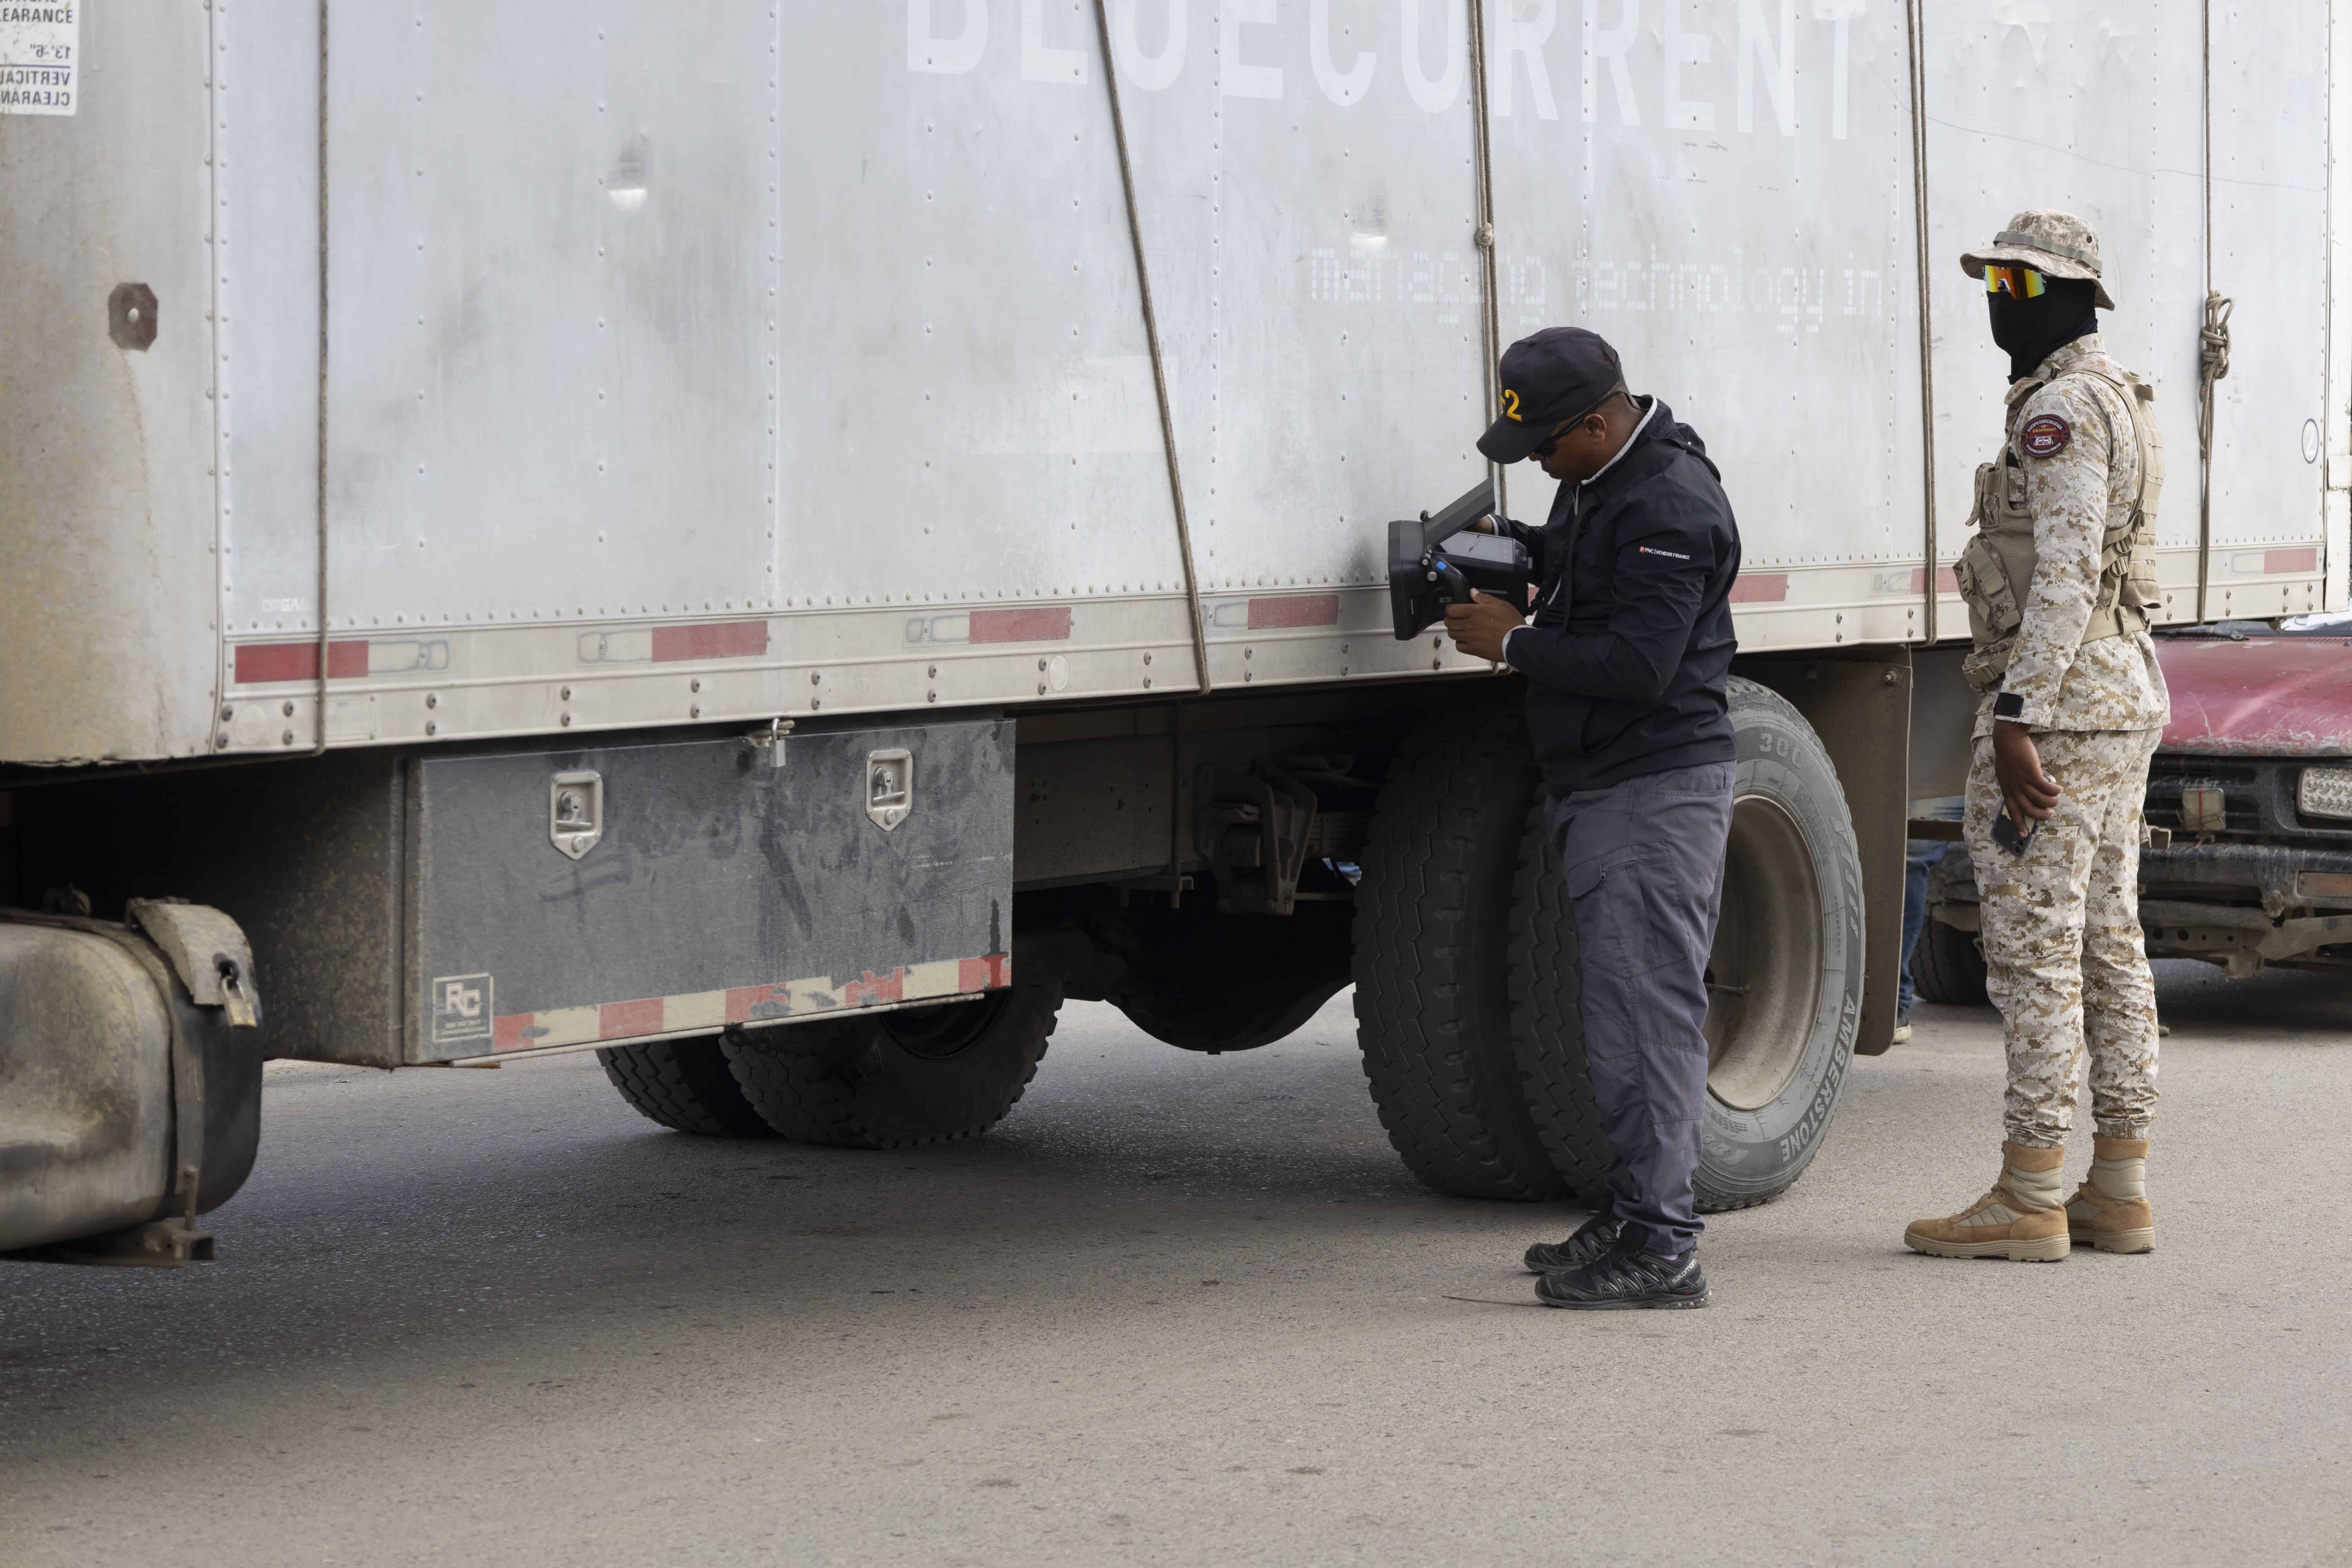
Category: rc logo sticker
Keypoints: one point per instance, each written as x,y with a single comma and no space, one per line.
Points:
461,1008
2045,436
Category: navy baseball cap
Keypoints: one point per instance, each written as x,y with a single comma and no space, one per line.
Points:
1555,374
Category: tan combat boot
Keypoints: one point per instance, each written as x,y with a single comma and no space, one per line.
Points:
2020,1220
2110,1209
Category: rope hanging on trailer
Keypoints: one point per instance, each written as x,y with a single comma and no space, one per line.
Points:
2212,364
1158,363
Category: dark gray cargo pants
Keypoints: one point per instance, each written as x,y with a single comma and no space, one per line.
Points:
1644,860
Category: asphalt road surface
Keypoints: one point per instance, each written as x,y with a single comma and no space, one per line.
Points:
1190,1310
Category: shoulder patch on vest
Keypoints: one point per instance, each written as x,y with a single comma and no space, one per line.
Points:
2045,436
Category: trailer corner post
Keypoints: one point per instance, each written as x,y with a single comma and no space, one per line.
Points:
215,313
2206,343
1482,132
1914,30
320,748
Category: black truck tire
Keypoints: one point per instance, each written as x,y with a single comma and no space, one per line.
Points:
1785,979
1947,967
899,1079
685,1086
1433,913
1547,1021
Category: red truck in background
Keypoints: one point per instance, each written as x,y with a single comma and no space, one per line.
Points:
2253,785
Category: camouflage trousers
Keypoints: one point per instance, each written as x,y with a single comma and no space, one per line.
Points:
2064,958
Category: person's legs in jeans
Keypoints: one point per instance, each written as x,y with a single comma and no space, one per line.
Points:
1919,859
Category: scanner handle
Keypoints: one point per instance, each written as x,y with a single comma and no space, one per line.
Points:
1450,581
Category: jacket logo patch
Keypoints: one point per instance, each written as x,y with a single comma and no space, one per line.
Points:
1669,554
2045,436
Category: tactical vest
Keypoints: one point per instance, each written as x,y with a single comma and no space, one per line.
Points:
1995,570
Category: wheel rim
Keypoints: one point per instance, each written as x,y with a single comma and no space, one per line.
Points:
937,1033
1764,974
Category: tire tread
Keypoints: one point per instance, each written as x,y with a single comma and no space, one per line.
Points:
685,1086
1547,1018
817,1082
1754,699
1947,967
1431,1012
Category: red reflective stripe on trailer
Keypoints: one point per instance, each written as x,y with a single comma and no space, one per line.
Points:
1771,588
2304,558
1946,581
1044,623
743,1005
262,663
746,1003
618,1020
991,973
1294,610
715,639
866,992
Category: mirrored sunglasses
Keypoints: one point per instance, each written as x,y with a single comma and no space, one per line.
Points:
2017,282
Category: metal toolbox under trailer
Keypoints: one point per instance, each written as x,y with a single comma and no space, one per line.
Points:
733,881
630,892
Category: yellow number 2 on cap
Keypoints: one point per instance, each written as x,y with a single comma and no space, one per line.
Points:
1511,405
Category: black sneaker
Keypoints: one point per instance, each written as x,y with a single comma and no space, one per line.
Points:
1625,1280
1592,1239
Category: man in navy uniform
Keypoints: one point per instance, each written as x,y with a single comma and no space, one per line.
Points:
1626,660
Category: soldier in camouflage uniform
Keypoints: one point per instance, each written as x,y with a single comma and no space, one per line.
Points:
2059,580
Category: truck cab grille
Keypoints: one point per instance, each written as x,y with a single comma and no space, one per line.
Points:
2258,799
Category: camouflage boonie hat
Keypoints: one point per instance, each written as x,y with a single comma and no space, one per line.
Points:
2056,244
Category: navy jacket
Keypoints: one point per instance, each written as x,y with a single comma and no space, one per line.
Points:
1632,642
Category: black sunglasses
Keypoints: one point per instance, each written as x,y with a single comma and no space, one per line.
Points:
1551,442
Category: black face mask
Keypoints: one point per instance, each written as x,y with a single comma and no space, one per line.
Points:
2031,330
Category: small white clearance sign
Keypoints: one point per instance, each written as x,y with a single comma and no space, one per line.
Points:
41,50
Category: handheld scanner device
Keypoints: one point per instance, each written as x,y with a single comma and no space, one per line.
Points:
1436,560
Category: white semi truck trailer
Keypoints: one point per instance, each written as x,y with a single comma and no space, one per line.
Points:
778,541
